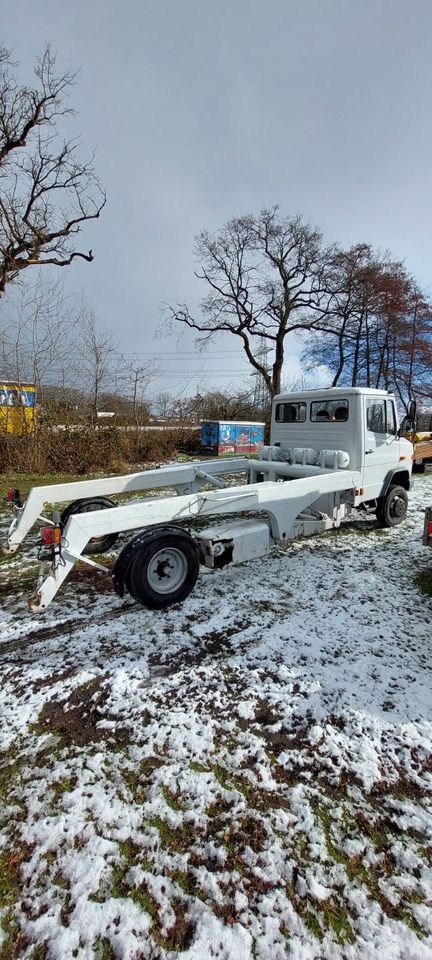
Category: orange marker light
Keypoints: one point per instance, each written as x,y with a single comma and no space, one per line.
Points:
50,535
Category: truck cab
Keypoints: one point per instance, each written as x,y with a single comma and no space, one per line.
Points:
359,424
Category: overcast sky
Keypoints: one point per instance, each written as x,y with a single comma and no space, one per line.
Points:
203,110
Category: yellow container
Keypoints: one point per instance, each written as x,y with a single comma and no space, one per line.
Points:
17,408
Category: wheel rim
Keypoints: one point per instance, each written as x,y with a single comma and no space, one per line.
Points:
397,507
167,570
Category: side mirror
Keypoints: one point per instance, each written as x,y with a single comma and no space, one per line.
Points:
412,411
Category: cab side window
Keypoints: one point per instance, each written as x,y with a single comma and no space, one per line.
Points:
391,418
290,413
329,411
376,416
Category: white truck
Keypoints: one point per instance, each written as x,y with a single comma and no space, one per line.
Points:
332,452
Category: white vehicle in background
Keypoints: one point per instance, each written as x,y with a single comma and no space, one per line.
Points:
332,452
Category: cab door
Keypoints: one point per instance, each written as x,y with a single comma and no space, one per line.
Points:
381,452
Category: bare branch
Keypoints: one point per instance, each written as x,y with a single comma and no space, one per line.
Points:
46,192
262,274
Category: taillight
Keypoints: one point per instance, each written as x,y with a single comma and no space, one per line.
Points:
429,528
50,535
13,496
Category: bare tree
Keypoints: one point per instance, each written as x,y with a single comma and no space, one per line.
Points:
163,404
97,358
134,378
344,324
229,403
264,277
35,340
376,327
47,192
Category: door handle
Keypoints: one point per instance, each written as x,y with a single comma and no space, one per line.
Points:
368,451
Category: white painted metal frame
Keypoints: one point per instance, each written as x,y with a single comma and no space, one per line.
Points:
282,502
185,478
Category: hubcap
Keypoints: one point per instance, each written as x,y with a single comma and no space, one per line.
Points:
398,507
167,570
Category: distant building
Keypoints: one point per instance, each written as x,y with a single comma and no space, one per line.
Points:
17,407
232,436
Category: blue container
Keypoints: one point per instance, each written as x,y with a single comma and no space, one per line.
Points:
232,436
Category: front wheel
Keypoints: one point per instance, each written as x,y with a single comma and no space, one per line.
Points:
392,508
164,570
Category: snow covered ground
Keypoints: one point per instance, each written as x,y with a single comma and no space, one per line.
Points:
244,777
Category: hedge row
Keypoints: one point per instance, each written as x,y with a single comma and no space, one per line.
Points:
92,449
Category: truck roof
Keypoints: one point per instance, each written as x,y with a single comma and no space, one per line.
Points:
331,392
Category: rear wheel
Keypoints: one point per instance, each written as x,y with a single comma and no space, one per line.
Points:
96,544
164,569
392,508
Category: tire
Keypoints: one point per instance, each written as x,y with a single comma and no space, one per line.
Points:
419,466
123,563
164,569
392,508
96,544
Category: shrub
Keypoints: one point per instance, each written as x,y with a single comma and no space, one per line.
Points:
83,450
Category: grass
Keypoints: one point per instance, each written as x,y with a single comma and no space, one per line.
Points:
10,894
172,799
233,822
424,582
178,937
25,481
379,834
237,831
102,949
177,839
198,767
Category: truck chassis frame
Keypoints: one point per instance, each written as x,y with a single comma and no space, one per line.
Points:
288,509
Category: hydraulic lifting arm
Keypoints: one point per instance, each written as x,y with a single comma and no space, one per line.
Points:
184,478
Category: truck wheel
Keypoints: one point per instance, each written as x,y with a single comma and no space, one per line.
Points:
419,466
96,544
164,570
392,508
